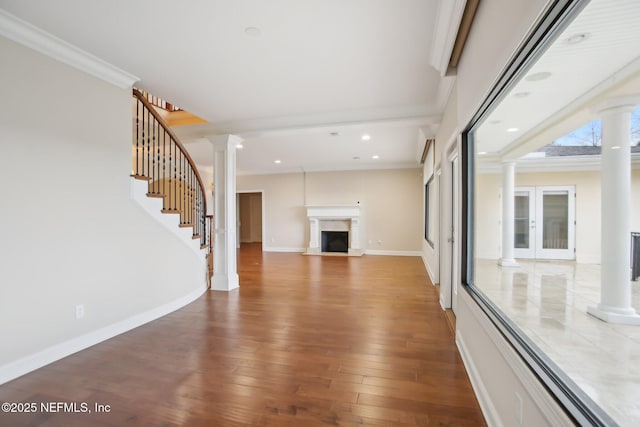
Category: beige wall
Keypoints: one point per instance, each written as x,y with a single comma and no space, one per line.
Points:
390,200
70,232
587,187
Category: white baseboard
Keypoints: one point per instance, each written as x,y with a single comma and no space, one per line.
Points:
486,405
392,253
281,249
49,355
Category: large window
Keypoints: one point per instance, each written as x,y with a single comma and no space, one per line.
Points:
535,244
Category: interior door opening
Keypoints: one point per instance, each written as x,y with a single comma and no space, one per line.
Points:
250,215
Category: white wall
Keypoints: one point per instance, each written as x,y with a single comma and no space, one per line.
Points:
70,234
390,202
498,28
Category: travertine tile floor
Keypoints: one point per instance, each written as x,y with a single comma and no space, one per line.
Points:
548,301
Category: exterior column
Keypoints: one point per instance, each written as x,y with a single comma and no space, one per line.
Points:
615,282
508,206
225,270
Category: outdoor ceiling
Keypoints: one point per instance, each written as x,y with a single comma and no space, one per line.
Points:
599,50
283,74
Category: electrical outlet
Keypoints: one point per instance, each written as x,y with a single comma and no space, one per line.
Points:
79,311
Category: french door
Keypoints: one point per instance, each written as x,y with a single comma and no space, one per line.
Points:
544,222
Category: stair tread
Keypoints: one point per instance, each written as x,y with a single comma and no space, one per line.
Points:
141,177
155,195
186,225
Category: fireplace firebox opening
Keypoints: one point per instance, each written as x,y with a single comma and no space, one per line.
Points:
335,241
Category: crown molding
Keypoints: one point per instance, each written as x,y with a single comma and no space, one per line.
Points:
39,40
445,31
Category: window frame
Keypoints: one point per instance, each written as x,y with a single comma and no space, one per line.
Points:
578,405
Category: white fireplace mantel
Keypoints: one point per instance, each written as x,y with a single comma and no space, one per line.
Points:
325,217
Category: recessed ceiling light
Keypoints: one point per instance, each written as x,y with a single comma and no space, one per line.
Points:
521,94
615,147
356,158
375,156
578,38
536,77
495,122
253,32
366,137
334,133
513,130
482,153
239,146
277,162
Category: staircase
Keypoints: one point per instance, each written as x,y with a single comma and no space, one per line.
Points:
160,160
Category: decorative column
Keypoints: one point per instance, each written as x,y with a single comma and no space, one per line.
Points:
615,281
508,206
314,233
225,270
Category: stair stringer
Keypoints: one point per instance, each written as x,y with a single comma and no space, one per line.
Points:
153,206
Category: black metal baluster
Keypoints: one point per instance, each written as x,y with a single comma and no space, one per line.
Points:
135,171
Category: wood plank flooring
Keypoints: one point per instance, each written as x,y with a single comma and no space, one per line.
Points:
305,341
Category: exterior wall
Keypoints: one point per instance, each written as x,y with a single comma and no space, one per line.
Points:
390,201
588,218
70,232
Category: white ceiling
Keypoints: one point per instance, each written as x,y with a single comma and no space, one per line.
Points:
609,54
318,66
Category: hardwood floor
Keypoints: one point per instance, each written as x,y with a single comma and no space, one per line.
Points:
305,341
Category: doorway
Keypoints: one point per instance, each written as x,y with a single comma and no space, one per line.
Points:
544,222
250,217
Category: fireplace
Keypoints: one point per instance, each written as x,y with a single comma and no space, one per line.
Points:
334,229
335,241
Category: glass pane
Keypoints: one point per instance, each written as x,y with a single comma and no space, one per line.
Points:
521,218
555,232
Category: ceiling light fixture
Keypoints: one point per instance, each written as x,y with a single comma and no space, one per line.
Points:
277,162
239,146
375,156
366,137
615,147
513,130
482,153
536,77
334,133
577,38
253,32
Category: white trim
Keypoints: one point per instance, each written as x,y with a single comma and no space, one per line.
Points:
392,253
428,268
56,352
445,31
486,404
281,249
28,35
551,164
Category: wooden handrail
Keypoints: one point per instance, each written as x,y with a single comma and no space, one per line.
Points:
162,161
166,127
